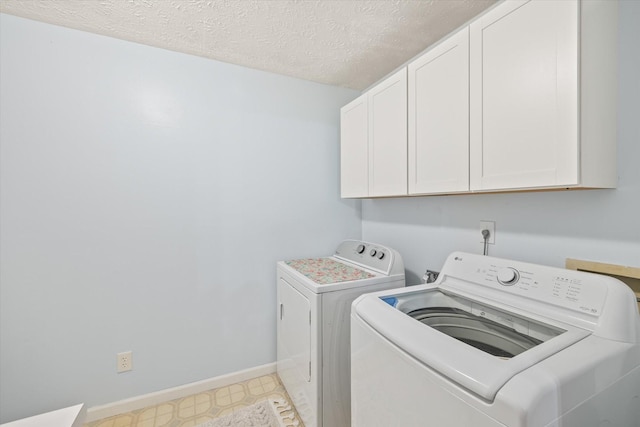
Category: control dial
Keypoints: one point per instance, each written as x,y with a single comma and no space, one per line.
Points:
360,249
508,276
373,252
380,255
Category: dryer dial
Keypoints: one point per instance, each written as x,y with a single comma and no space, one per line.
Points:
360,249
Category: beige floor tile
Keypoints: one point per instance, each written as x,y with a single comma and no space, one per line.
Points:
202,407
117,421
262,385
124,421
146,423
164,420
230,395
165,408
186,402
191,423
230,410
254,383
147,414
202,398
187,412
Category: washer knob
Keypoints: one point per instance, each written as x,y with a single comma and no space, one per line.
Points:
360,249
380,255
373,252
508,276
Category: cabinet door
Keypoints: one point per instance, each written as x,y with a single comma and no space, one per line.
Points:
439,118
388,136
354,151
524,96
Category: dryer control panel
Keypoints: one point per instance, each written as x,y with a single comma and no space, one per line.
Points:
370,255
582,292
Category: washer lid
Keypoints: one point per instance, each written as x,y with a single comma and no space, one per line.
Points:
472,368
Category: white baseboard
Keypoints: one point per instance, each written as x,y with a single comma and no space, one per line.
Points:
127,405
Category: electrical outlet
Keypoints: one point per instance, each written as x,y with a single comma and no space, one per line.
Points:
491,226
125,362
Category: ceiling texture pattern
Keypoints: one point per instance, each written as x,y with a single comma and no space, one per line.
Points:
348,43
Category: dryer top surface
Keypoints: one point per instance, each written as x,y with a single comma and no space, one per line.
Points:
325,271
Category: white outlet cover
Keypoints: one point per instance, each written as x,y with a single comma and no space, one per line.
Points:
124,362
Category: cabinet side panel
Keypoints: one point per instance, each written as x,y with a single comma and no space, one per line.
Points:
599,86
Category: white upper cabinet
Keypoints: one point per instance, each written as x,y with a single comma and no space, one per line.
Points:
373,144
524,98
388,136
543,96
354,148
438,119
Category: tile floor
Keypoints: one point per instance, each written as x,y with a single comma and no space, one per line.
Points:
202,407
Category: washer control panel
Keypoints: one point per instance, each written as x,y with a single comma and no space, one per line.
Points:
367,254
582,292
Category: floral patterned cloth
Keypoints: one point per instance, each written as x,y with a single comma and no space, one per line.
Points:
325,271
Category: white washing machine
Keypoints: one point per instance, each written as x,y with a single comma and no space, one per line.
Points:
495,342
314,303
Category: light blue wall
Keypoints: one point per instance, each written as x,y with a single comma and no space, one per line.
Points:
545,227
145,198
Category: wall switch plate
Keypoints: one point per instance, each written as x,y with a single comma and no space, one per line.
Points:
491,226
125,362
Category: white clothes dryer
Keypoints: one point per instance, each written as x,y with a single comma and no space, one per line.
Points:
495,342
314,303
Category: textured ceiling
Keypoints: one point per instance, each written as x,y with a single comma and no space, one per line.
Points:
349,43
